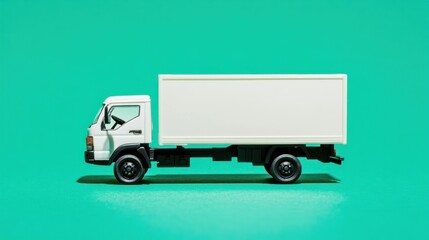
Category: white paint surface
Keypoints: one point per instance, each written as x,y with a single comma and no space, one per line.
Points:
252,109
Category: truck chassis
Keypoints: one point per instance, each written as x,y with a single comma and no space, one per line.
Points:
281,161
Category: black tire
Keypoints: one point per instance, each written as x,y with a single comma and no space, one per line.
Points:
129,169
286,168
267,168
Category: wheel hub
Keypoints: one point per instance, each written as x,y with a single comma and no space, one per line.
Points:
286,168
129,169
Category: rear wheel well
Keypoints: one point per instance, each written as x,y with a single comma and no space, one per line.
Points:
276,151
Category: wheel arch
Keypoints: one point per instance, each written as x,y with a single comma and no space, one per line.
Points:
294,150
135,149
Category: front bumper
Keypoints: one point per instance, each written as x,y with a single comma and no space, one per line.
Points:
89,156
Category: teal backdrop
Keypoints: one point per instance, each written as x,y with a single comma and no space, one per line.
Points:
60,59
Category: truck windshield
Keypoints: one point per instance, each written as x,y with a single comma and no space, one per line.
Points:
98,115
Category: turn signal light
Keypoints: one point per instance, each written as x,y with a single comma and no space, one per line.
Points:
89,143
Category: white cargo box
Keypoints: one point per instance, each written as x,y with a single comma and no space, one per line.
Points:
252,109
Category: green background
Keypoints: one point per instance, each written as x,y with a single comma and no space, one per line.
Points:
60,59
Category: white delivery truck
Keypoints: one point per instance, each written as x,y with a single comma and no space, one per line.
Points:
268,120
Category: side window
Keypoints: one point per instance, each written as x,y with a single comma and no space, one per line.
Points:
120,115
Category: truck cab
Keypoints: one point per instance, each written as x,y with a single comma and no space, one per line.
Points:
121,121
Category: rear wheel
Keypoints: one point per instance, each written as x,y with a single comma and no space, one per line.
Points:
129,169
285,168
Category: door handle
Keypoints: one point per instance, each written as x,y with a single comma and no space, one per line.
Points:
136,131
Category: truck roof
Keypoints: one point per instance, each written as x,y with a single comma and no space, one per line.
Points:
248,76
126,99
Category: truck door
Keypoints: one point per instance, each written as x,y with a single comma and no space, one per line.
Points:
125,125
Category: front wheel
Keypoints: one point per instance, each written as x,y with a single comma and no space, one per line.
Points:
129,169
285,168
